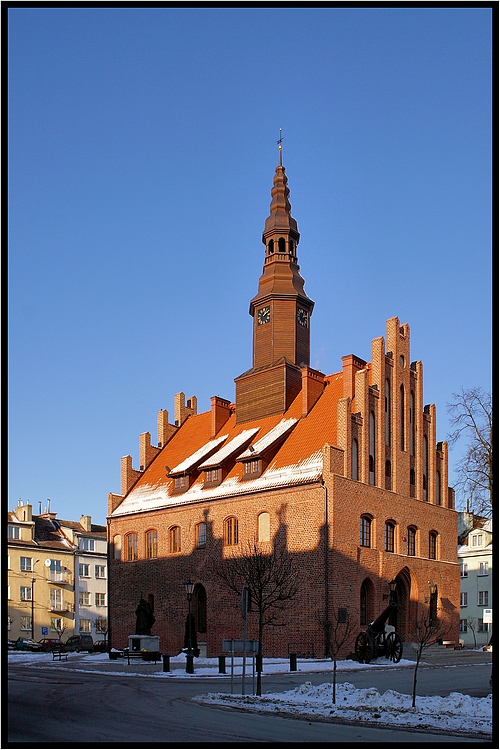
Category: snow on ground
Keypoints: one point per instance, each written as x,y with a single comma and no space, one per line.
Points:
455,714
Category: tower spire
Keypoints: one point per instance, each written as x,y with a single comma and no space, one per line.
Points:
280,148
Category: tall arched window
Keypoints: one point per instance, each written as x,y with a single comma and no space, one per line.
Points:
438,488
201,534
372,448
264,527
151,543
281,245
387,405
174,536
117,547
364,602
411,535
231,531
131,547
402,416
412,423
200,608
389,529
354,459
425,478
271,247
365,531
433,535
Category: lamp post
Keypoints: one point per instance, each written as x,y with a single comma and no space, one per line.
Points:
33,581
189,586
392,588
433,604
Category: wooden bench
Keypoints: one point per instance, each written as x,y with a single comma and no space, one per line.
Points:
59,655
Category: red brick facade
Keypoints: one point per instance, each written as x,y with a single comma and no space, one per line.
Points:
359,443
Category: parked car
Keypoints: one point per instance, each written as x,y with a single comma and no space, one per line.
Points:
12,645
52,644
100,646
82,642
27,644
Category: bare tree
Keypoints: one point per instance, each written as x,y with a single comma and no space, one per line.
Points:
60,627
472,625
272,581
337,632
471,418
101,626
425,631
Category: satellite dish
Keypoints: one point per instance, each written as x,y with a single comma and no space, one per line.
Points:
48,562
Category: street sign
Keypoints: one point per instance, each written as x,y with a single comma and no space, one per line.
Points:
236,647
487,616
45,631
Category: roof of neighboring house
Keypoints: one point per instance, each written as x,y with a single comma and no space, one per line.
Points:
292,444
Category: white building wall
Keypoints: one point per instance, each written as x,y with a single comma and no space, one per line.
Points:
476,589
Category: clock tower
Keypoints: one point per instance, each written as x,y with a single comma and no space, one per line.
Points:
281,312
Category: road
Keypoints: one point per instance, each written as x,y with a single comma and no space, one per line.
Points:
65,706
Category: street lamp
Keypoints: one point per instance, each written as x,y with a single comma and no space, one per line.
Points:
433,588
392,588
33,581
189,586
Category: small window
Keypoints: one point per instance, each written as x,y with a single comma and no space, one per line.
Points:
100,571
354,467
25,622
464,570
151,543
463,598
231,531
365,531
131,547
433,545
201,534
270,247
14,532
482,598
26,564
411,539
84,570
101,625
100,600
264,527
174,536
477,540
389,536
25,593
85,600
482,627
56,600
84,626
251,468
181,483
213,476
56,624
87,544
463,626
281,245
483,569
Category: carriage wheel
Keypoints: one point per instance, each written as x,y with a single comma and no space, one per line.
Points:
394,647
365,648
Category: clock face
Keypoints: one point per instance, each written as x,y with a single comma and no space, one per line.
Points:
302,317
263,315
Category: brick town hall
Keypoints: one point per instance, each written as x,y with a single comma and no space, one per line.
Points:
343,469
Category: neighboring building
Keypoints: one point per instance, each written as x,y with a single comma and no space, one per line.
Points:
41,572
475,558
342,469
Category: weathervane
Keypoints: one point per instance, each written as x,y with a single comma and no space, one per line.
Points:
280,148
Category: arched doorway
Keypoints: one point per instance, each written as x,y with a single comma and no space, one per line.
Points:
366,602
400,617
200,615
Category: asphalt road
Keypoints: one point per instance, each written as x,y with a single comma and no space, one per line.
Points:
63,707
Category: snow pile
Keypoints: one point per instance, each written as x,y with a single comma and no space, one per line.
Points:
457,713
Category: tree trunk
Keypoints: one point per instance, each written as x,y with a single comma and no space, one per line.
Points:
414,693
334,695
258,690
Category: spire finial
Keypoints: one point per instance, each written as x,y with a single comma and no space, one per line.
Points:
280,148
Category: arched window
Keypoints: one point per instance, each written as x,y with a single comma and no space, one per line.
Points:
281,245
231,531
372,448
411,536
270,247
426,466
402,416
117,547
151,543
201,534
200,608
365,531
433,535
354,459
131,547
174,537
389,536
264,527
438,488
412,423
387,404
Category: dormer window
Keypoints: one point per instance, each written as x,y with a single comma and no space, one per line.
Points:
213,476
252,469
181,484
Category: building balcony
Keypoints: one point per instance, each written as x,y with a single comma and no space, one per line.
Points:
61,607
62,577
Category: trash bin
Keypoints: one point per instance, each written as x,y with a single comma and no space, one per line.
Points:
166,662
222,665
293,662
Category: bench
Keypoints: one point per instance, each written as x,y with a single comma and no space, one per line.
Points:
59,655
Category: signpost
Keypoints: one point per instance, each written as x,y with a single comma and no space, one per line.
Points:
237,647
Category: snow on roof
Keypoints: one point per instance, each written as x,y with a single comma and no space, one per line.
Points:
272,436
152,498
195,458
228,450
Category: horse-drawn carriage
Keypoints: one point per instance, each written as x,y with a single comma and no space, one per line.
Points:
380,639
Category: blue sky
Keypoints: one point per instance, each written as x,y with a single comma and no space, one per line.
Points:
142,147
